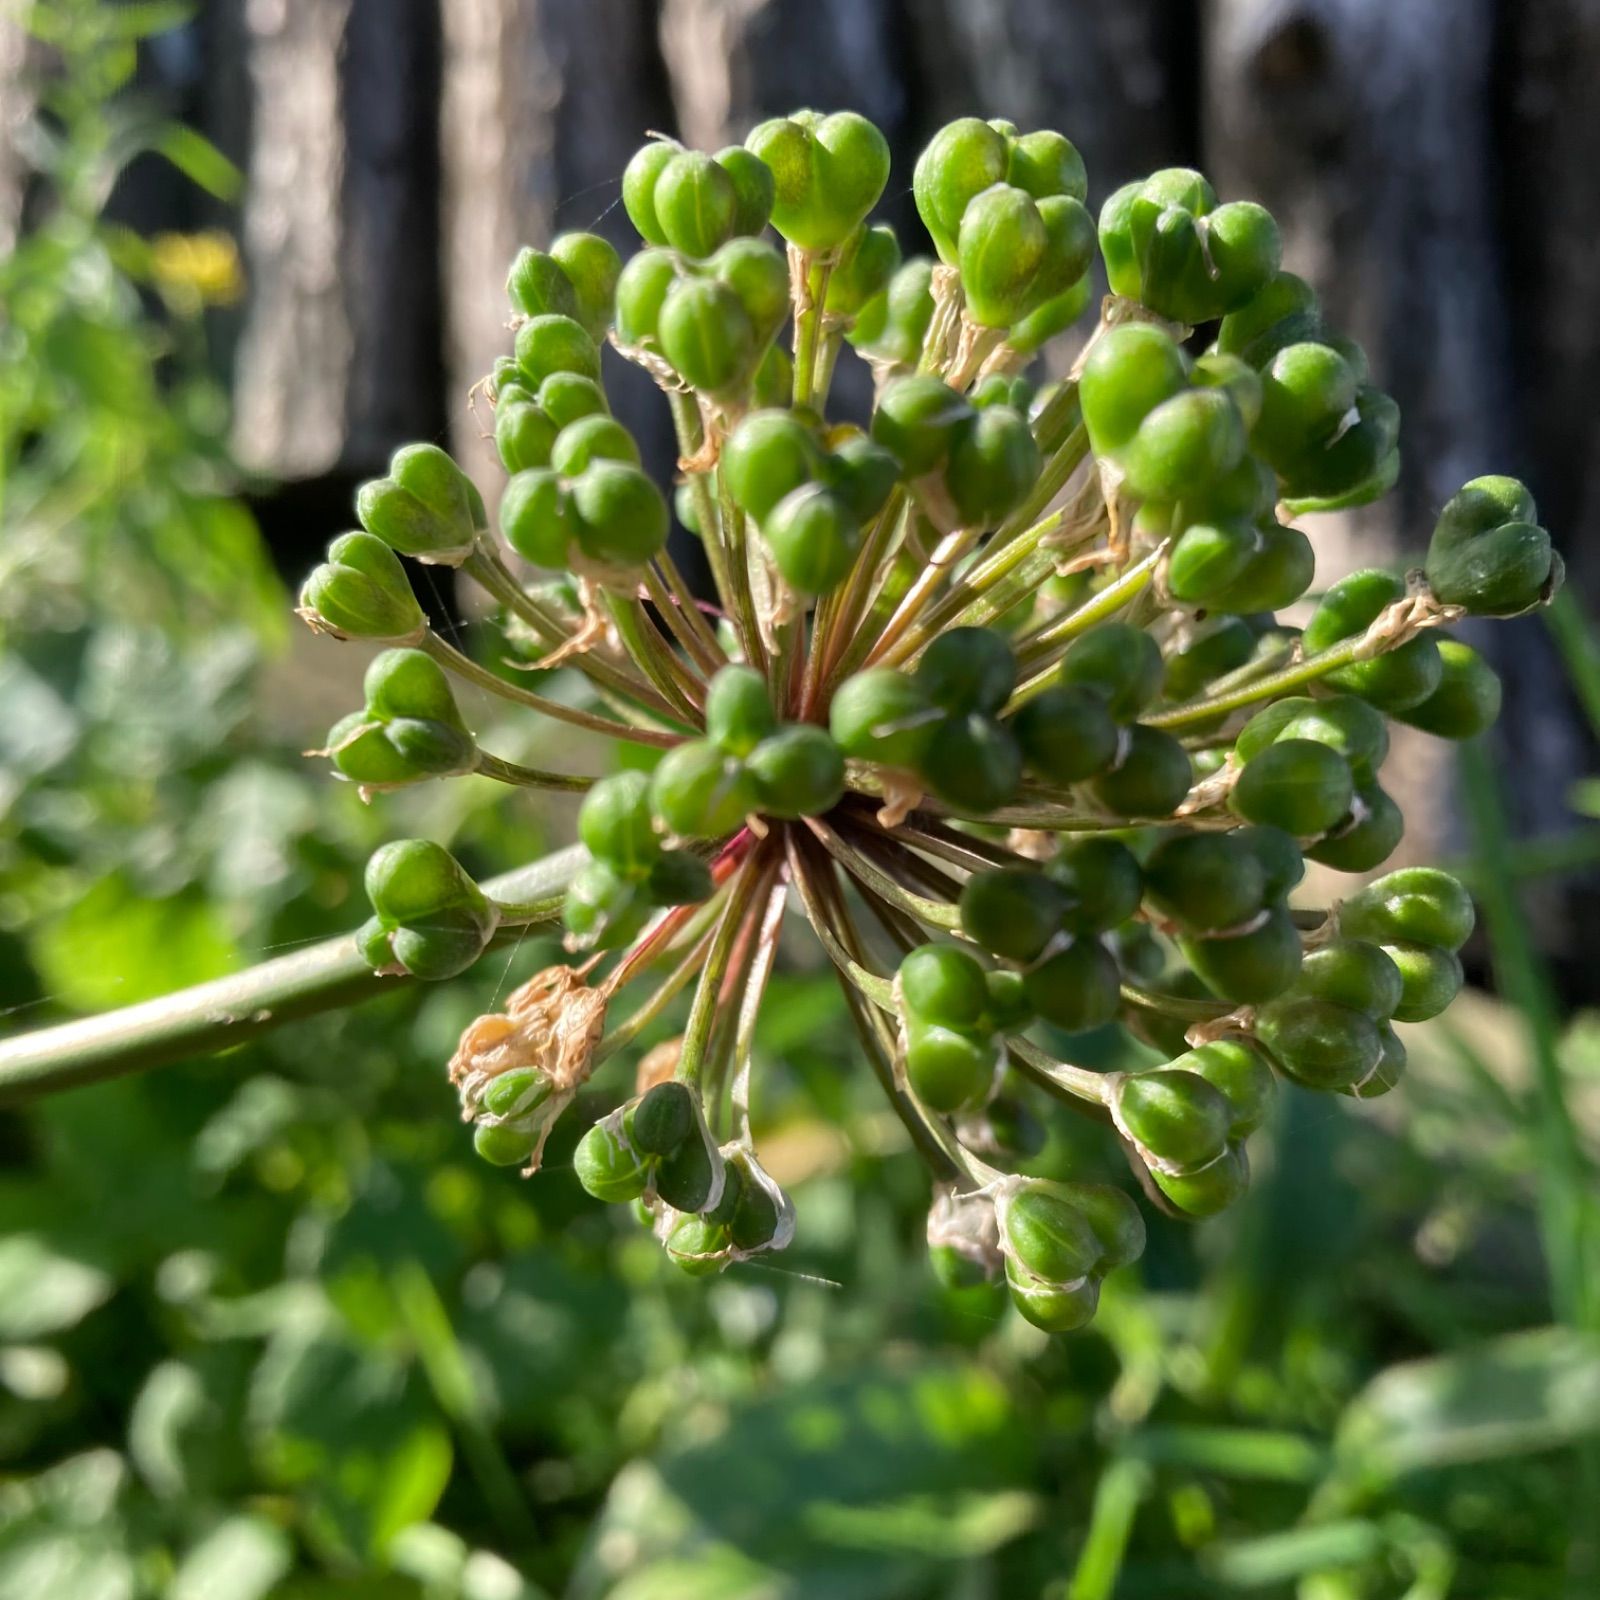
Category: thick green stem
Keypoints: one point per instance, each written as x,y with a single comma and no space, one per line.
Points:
228,1011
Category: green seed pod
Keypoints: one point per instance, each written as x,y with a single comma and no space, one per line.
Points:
1066,734
1050,1307
430,919
959,163
608,1167
536,517
517,1093
641,293
678,879
867,262
1213,1188
1367,838
862,473
1102,880
761,1218
1359,464
1390,1069
1050,317
411,727
759,276
664,1117
699,1246
603,910
968,669
523,435
1048,1236
972,762
1416,905
906,310
692,1177
1242,384
828,173
425,508
700,792
993,464
941,983
1467,699
696,204
537,285
797,772
592,439
1217,646
639,180
1281,313
883,716
361,592
1016,252
752,187
813,539
1150,778
568,397
1009,1007
1077,987
1178,1120
619,516
947,1069
1319,1043
1430,979
739,712
1298,785
1208,559
768,456
1045,163
1279,857
1241,1077
1119,662
957,1270
503,1144
707,335
1343,723
1307,391
1278,574
1488,552
1247,968
1353,973
1205,880
1392,681
616,825
592,267
1012,911
1130,370
555,344
917,420
1183,445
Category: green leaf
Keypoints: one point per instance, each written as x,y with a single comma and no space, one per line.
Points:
242,1558
198,160
44,1292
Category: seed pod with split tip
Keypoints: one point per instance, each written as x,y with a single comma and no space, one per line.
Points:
429,918
1177,1118
361,592
827,174
1488,552
1210,1189
426,507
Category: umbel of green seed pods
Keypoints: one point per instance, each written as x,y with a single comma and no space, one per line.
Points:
990,688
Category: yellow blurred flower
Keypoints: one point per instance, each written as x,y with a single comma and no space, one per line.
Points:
198,266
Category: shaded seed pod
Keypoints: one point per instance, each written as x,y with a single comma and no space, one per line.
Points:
1054,1308
1208,559
1416,905
1247,968
1205,880
1277,575
692,1178
1178,1120
1242,384
797,772
699,1246
993,464
947,1069
1343,723
1354,973
1358,465
1282,312
828,173
1119,662
1430,979
1392,681
1217,646
867,262
1466,701
1012,911
1278,856
1488,552
619,516
1150,777
523,435
972,763
892,328
917,419
739,712
1066,734
774,379
1013,1129
1132,368
1047,1235
1211,1189
862,473
1319,1043
813,539
968,669
517,1093
1367,838
361,592
1102,880
603,910
883,716
1009,1007
1076,987
1389,1071
663,1118
700,792
1052,316
608,1166
1298,785
678,879
1307,391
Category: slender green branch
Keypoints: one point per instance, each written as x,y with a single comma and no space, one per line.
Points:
228,1011
931,913
742,888
521,777
1075,1086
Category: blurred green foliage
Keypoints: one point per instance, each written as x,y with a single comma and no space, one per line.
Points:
268,1329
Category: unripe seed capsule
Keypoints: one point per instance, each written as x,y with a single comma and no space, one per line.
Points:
968,669
1075,988
1300,786
1151,777
1430,979
1012,911
1210,1190
1320,1043
1416,905
1119,662
1180,1119
1247,968
739,712
608,1167
947,1069
1206,880
1051,1307
1066,734
972,762
502,1144
663,1118
884,716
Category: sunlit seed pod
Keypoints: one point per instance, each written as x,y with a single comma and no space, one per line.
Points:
700,792
752,187
1249,967
1183,445
516,1093
1048,1236
769,455
1488,552
568,397
963,158
619,515
1239,1074
1205,880
828,172
759,276
1430,979
425,507
1208,559
884,716
1012,911
695,203
608,1167
698,1246
361,591
1467,699
1278,574
739,712
1393,680
942,983
536,285
972,762
968,669
1065,734
1053,1308
1298,785
555,344
707,335
1150,778
813,538
1354,973
1368,838
1241,383
1052,316
1415,905
1077,987
592,266
1282,312
917,420
797,771
1319,1043
1176,1117
1210,1190
502,1144
523,435
1342,722
1307,391
947,1069
641,293
430,919
592,439
1131,369
536,517
1119,662
639,180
